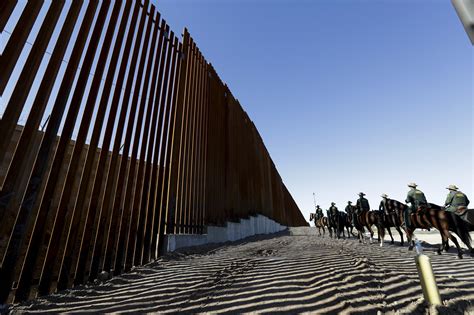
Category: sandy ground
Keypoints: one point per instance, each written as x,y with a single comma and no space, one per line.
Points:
285,273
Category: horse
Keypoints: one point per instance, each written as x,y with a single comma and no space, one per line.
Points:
434,216
332,226
366,219
320,224
346,222
387,220
336,225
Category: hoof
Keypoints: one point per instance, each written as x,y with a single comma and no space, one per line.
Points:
460,256
401,244
439,251
381,244
392,242
410,247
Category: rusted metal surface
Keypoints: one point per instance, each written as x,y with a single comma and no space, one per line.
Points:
153,143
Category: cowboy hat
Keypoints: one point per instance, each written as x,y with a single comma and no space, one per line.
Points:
452,187
384,196
349,201
414,185
361,194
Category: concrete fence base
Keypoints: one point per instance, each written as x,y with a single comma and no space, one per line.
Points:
232,231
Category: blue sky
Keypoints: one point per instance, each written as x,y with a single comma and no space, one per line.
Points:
348,95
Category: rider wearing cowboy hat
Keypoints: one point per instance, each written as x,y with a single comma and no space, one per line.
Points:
383,207
349,211
361,205
456,199
348,208
319,213
333,209
416,198
333,212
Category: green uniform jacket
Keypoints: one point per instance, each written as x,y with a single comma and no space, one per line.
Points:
319,213
456,199
333,210
382,206
348,209
416,197
363,204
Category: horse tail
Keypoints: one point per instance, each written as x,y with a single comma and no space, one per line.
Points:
459,227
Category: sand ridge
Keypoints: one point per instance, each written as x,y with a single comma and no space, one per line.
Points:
280,274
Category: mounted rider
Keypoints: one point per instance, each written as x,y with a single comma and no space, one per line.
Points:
417,200
350,211
348,208
456,201
334,213
361,205
319,213
384,208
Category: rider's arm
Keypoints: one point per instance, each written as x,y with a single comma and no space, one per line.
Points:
449,199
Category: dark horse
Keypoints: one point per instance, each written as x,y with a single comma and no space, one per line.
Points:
388,220
435,216
346,223
336,224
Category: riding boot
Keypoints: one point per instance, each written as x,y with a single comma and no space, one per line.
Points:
406,217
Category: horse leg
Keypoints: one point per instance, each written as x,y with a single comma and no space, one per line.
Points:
381,236
401,235
391,236
361,234
444,239
371,234
454,240
410,240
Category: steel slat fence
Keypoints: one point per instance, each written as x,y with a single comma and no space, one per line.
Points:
114,133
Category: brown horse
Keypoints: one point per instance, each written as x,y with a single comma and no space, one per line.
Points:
388,220
364,219
434,216
367,219
321,223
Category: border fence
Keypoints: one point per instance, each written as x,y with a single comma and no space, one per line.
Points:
115,132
